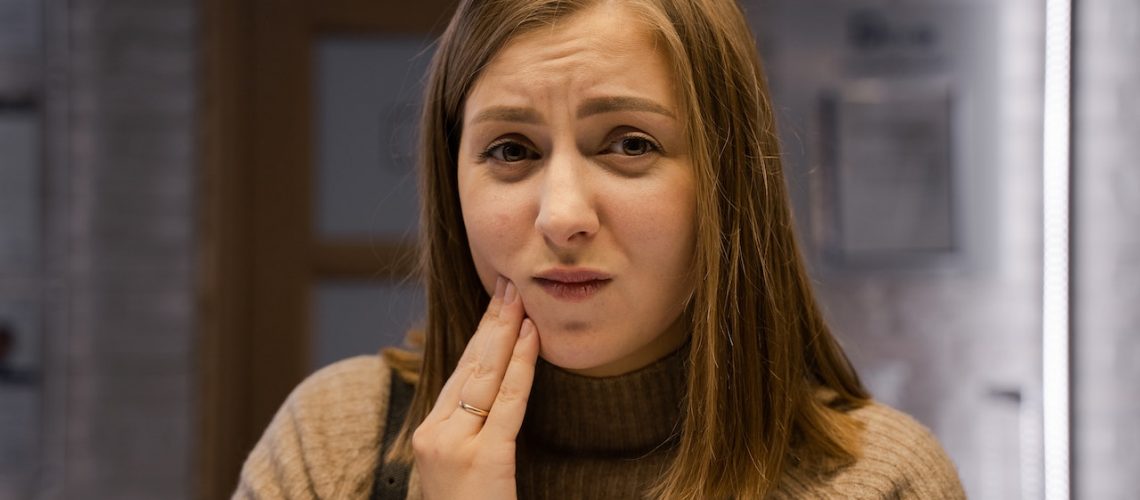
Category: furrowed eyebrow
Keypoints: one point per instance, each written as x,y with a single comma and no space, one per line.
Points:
593,106
598,105
508,114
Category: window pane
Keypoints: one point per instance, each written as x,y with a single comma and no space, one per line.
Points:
19,192
353,318
367,99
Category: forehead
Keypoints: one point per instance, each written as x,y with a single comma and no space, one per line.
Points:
605,49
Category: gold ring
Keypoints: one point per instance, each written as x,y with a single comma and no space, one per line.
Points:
478,412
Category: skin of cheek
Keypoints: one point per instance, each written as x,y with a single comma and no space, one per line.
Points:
497,220
660,236
490,222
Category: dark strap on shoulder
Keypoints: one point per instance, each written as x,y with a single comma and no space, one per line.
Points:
391,479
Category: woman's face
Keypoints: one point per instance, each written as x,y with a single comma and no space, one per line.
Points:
576,184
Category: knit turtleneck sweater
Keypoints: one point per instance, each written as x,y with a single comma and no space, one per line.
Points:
608,437
582,438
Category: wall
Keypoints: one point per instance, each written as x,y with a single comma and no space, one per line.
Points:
1106,259
120,106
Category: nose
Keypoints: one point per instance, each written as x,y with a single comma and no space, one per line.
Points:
566,216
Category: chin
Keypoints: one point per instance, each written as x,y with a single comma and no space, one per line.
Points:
568,361
579,353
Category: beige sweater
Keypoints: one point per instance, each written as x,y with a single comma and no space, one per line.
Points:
324,441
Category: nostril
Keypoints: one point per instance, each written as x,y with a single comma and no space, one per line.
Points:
563,225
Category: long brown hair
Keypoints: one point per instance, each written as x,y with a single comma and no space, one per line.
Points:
760,351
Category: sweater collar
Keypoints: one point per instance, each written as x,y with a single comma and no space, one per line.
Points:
625,415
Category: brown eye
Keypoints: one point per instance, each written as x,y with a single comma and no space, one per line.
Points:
633,145
509,152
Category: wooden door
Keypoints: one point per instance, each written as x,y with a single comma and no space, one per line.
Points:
263,247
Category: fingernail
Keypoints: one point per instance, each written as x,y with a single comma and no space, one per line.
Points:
527,328
511,293
500,285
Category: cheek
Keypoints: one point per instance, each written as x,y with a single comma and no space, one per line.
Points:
670,246
495,223
659,231
491,229
659,240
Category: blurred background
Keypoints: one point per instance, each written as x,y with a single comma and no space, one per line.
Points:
203,201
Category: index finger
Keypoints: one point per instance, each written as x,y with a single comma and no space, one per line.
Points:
448,397
486,374
507,412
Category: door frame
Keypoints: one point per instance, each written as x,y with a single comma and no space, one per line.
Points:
257,254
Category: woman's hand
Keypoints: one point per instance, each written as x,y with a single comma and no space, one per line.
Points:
459,453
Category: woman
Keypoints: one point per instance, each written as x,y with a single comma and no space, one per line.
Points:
616,304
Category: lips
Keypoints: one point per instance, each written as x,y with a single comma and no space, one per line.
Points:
572,284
